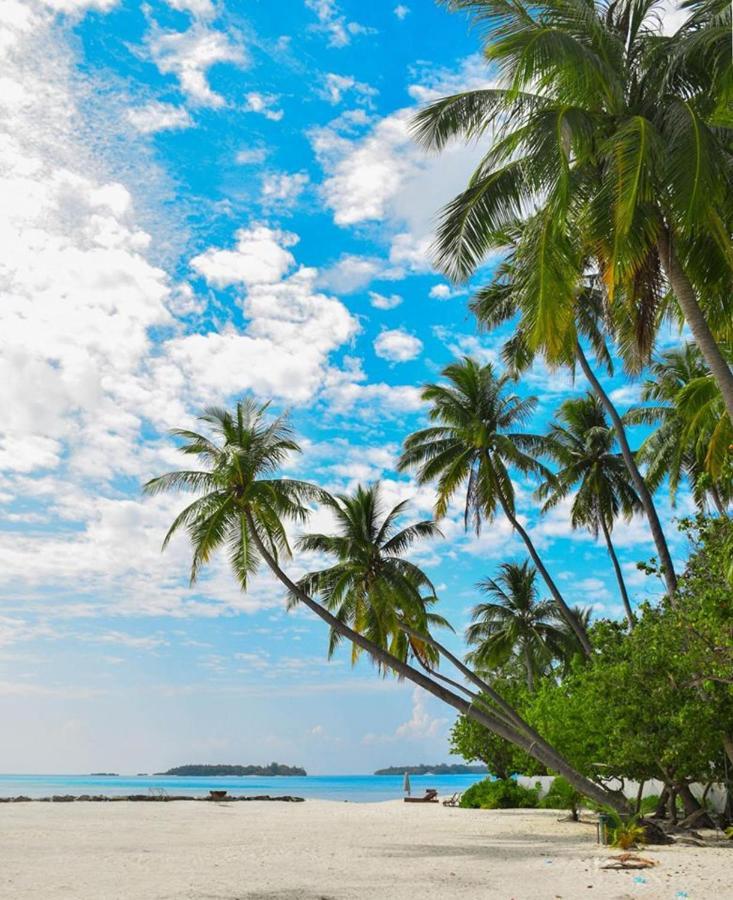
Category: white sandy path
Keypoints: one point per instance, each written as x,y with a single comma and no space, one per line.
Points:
322,850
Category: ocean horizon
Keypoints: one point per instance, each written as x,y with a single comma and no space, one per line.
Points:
351,788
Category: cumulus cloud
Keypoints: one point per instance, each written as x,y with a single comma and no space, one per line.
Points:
334,24
261,256
81,377
188,55
381,301
263,104
383,176
200,8
158,116
397,345
281,190
350,273
336,86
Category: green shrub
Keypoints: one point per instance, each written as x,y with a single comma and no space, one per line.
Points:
501,794
649,805
562,795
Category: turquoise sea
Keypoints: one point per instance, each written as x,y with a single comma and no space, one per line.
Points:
354,788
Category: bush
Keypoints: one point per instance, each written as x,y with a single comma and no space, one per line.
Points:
562,795
649,805
501,794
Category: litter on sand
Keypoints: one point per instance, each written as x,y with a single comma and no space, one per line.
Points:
629,861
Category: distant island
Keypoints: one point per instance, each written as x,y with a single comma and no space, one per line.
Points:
106,774
438,769
216,771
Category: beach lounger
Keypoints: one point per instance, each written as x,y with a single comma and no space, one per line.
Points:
454,800
431,796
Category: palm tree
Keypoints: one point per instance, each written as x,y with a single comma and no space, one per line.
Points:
582,444
372,587
690,435
244,508
514,623
500,301
609,141
473,446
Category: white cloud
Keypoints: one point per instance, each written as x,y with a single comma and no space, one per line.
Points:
263,104
260,257
251,156
281,190
482,348
79,6
335,86
626,395
420,726
332,22
201,8
383,176
397,345
347,390
190,54
401,11
380,301
158,116
350,273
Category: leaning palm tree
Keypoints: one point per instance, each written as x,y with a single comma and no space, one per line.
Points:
612,141
473,445
244,507
372,586
501,301
581,442
514,623
689,440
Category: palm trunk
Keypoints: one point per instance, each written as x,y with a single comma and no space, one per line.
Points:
717,500
565,610
685,294
668,573
530,669
617,570
542,752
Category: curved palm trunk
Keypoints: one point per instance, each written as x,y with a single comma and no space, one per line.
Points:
530,669
619,574
704,338
655,526
565,610
536,748
717,500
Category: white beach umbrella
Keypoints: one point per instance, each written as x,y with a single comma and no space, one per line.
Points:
406,784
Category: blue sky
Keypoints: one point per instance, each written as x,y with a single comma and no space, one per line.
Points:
206,199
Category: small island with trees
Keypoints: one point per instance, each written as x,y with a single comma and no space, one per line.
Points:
198,770
438,769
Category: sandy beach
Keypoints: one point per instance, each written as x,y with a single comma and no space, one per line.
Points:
323,850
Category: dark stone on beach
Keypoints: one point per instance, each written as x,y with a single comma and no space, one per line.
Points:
63,798
653,833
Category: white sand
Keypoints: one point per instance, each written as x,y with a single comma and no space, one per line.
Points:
323,850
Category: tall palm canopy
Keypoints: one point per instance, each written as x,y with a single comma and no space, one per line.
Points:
514,622
371,586
581,443
693,435
611,143
237,480
472,445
